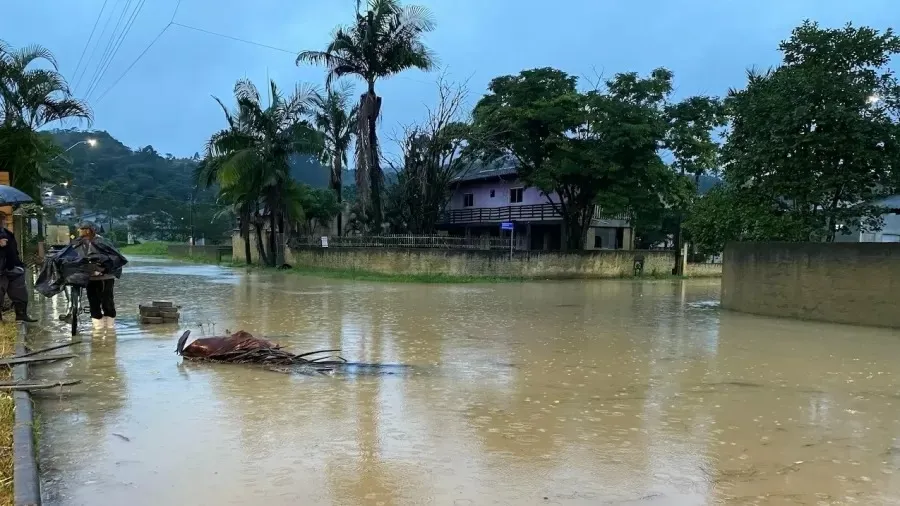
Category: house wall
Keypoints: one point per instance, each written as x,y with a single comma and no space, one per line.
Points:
482,195
890,232
854,283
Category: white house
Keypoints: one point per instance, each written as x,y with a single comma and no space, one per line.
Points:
890,232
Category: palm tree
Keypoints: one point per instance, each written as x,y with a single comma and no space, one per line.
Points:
385,39
30,98
335,120
250,160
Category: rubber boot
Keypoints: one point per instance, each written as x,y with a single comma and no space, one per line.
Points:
109,322
22,314
98,324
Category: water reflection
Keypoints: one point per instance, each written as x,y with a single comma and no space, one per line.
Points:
544,393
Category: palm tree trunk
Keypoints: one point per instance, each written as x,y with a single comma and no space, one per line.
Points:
376,178
263,257
337,185
363,156
245,233
272,240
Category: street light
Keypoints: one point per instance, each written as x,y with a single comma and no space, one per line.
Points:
89,142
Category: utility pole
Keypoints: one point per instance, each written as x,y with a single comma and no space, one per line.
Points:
193,191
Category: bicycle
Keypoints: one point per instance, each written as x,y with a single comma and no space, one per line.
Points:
74,307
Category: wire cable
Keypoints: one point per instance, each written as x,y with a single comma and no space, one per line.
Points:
245,41
117,46
136,60
114,45
91,36
96,46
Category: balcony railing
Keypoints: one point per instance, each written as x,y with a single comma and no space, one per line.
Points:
526,213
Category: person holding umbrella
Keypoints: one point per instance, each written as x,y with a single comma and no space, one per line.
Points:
12,273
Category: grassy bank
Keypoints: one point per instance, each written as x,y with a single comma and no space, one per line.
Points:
149,248
7,412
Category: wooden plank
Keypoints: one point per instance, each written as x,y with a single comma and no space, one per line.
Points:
31,360
162,303
36,386
151,319
50,348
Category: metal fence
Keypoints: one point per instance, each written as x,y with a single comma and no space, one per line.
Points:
409,241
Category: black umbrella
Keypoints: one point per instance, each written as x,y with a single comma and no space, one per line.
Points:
13,196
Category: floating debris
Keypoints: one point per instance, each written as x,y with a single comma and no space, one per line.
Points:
242,348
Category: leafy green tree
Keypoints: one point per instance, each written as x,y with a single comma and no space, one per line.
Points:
814,140
594,148
335,119
320,206
384,40
692,141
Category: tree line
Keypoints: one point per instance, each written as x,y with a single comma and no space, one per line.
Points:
801,152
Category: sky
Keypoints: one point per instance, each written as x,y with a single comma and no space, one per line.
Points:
165,99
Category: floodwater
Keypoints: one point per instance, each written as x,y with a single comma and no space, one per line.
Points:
573,393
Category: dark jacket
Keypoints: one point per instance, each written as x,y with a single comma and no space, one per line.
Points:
9,254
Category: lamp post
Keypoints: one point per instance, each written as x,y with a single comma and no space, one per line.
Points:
89,142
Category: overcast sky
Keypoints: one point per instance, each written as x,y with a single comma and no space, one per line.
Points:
164,101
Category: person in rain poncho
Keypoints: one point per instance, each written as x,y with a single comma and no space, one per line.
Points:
12,273
100,288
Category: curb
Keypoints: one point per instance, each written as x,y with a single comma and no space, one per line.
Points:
26,482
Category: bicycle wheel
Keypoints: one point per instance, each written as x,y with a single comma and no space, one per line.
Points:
76,307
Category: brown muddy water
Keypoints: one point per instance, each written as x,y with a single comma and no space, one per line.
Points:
575,393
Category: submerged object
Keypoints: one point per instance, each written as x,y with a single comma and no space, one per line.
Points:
242,348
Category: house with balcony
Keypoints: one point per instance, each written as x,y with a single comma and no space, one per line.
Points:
489,195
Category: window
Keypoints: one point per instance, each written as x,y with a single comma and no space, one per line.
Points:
515,195
468,200
492,193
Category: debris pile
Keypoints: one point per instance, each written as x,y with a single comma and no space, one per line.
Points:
159,312
242,348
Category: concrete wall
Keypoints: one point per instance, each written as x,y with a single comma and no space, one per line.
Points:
541,265
214,254
533,264
855,283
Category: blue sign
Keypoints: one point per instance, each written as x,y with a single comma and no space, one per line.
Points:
506,225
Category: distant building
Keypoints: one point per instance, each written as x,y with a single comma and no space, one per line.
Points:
485,197
890,232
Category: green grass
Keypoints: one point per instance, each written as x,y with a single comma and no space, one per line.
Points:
8,332
149,248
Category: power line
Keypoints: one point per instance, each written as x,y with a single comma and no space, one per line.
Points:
96,45
115,43
135,13
113,85
245,41
91,36
259,44
127,70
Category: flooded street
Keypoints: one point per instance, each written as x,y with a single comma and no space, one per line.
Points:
568,393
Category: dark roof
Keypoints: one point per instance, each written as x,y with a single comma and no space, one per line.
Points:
501,168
